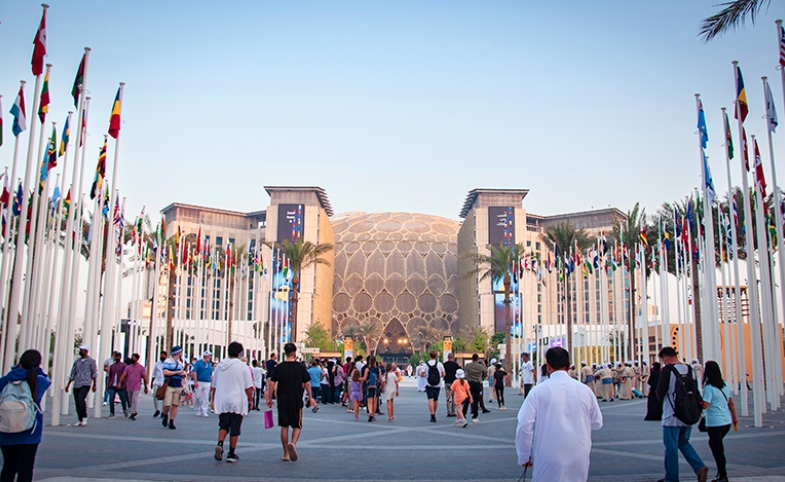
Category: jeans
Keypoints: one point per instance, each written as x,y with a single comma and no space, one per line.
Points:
677,439
18,462
80,394
500,395
202,399
123,398
315,392
324,390
476,390
716,434
527,387
257,397
338,390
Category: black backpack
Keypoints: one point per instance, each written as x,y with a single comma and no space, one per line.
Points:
688,403
434,377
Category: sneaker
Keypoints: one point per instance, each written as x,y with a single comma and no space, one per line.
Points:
465,424
125,412
350,410
433,418
219,452
503,408
486,411
165,420
110,417
451,415
133,416
156,414
104,404
232,458
171,425
475,420
456,423
720,479
83,423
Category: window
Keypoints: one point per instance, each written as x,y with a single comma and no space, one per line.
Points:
219,241
537,246
528,244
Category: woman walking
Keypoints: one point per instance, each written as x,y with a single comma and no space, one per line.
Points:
390,390
653,404
19,449
719,412
499,377
356,393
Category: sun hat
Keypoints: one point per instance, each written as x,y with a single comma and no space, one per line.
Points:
460,374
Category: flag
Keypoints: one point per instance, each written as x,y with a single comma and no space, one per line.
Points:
64,140
78,80
760,180
51,151
690,216
710,192
17,207
744,151
666,239
100,172
603,242
67,204
644,239
1,121
741,97
728,137
704,131
55,199
782,46
114,119
18,111
43,108
771,112
39,47
199,240
6,194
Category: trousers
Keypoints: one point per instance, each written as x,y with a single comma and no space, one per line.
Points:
80,394
133,400
18,462
202,398
123,398
677,439
716,434
476,390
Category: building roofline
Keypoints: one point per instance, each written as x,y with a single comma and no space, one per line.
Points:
205,208
320,193
471,197
616,211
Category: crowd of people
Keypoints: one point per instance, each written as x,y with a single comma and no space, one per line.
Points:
559,400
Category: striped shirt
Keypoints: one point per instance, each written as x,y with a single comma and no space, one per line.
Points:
83,372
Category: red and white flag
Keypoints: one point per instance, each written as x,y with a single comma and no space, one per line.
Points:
760,180
39,46
782,46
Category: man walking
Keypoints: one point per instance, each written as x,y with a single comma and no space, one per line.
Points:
173,378
158,381
202,373
271,364
450,369
133,376
475,372
83,374
565,412
117,385
434,373
287,382
675,433
529,375
316,374
258,383
232,392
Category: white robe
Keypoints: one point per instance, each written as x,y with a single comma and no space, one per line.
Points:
565,412
421,378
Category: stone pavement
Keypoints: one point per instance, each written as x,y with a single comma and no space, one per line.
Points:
334,447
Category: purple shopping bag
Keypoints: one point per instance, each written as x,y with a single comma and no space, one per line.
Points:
268,419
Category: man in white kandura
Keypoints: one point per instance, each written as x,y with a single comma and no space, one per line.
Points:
565,412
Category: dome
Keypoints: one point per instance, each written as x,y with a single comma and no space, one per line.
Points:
398,268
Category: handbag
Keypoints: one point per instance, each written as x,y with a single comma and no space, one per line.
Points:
268,419
702,422
160,392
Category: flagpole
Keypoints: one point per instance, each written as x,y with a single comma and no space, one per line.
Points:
778,22
65,330
771,125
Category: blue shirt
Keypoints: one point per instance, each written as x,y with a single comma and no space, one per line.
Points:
175,381
25,438
203,370
316,376
718,413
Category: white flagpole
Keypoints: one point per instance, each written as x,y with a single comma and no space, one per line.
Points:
42,269
116,316
727,369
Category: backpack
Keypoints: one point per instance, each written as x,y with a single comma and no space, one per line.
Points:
687,404
373,377
18,410
434,377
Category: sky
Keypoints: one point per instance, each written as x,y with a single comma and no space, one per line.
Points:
398,106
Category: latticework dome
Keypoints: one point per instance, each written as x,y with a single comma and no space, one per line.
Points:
398,268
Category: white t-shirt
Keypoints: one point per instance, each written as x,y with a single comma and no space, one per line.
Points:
258,373
359,366
230,379
439,367
528,373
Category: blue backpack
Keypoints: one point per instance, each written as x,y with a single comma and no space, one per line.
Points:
373,377
18,410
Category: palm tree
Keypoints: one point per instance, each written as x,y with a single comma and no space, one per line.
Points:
496,267
301,254
734,14
425,336
627,232
370,331
565,237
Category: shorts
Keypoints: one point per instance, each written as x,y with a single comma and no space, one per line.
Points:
372,392
432,393
607,381
290,417
172,396
231,423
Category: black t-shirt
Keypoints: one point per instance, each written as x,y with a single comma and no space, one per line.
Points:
270,365
498,377
450,368
290,377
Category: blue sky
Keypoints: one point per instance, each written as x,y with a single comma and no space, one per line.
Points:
399,106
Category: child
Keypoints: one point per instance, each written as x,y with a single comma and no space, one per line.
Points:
357,393
461,397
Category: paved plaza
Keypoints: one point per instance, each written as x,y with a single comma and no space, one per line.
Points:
334,447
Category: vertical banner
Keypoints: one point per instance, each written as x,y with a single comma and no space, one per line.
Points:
501,232
290,222
348,348
447,348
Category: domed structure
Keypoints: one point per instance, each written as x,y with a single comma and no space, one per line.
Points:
398,268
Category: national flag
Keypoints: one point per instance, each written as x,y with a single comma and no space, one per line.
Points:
1,120
603,242
666,240
782,46
114,119
643,238
18,111
51,151
17,207
771,111
710,192
690,216
285,267
760,180
65,138
67,204
39,47
43,108
199,240
744,151
100,172
676,224
704,131
6,194
55,199
78,81
741,97
728,137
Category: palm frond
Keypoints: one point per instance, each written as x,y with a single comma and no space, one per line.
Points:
732,16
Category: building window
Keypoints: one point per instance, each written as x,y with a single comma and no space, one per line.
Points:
537,245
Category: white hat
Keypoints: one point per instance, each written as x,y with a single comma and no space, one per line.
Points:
207,353
84,347
636,361
460,374
583,363
695,360
493,361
